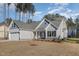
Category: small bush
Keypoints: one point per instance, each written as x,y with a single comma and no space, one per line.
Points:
33,45
77,41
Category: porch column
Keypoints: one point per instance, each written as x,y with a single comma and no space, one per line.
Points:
36,35
46,33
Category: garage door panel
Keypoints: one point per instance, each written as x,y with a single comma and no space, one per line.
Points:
14,36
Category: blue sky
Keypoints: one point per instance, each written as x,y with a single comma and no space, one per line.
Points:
65,9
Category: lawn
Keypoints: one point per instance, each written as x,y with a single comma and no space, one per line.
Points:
38,48
73,40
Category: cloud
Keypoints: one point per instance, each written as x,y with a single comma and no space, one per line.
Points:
49,8
57,10
38,13
63,10
61,4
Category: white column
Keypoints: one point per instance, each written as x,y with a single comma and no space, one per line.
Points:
46,33
36,35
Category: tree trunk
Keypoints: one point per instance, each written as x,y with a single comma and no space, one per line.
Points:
22,16
8,11
32,17
15,14
19,16
25,17
4,11
29,17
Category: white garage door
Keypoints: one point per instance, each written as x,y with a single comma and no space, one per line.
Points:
14,36
26,35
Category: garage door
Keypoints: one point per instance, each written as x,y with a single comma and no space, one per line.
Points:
14,36
26,35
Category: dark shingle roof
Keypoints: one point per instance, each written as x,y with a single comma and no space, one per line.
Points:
26,26
6,22
56,21
2,23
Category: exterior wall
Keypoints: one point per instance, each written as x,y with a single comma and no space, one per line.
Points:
3,31
26,35
15,31
50,28
62,30
22,34
16,34
43,25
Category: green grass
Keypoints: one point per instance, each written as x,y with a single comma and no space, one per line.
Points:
73,40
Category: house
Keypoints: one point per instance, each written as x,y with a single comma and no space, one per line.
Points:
45,29
3,30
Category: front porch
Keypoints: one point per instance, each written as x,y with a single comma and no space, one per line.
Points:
45,35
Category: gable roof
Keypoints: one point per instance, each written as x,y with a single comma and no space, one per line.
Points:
1,23
56,21
6,22
26,26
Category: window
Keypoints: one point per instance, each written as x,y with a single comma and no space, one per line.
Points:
49,33
14,26
53,33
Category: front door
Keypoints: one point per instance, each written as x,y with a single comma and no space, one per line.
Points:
42,35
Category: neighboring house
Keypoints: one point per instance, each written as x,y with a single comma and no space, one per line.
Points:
3,30
51,29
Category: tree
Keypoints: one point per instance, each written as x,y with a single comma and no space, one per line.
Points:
30,9
8,21
52,16
77,26
70,22
4,11
8,5
23,8
18,9
71,27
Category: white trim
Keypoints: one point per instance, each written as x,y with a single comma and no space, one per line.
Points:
39,24
10,24
47,27
50,22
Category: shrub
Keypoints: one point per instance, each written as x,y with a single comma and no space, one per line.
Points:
33,44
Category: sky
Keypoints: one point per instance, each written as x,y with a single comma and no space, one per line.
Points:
65,9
